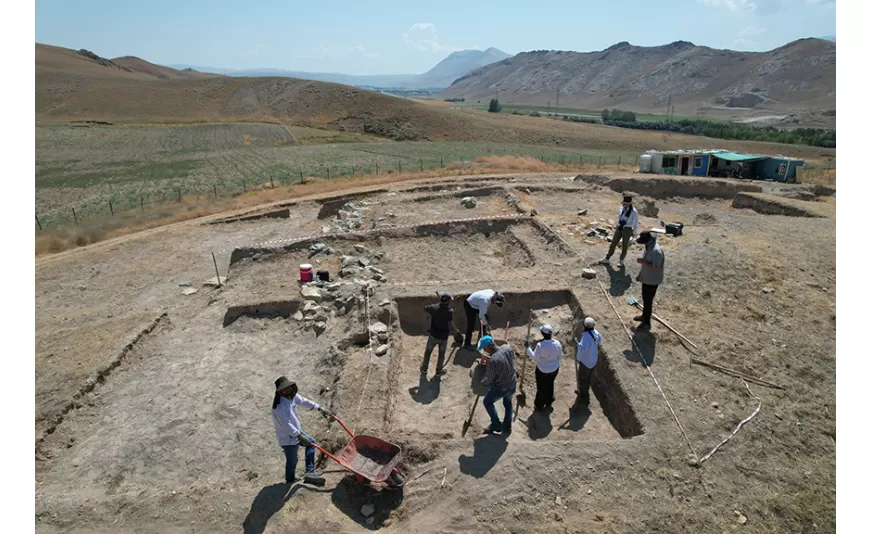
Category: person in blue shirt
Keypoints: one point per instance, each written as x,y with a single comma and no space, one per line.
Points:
587,358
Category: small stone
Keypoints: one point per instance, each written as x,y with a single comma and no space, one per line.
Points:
583,212
591,233
310,292
468,202
692,460
383,337
310,306
188,291
589,273
325,229
367,510
347,261
715,405
768,290
588,492
390,215
361,249
319,327
379,328
321,317
558,500
375,270
317,247
380,278
329,251
298,315
364,262
381,240
370,521
184,284
380,351
385,302
589,467
740,517
348,271
214,282
379,256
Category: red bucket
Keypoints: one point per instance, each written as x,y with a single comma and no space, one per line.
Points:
306,273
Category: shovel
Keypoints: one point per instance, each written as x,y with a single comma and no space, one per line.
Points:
467,424
521,398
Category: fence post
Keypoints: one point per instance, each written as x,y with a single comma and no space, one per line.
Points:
563,159
376,169
214,188
620,160
421,164
75,217
272,182
400,166
111,209
442,162
599,161
327,173
141,203
353,170
635,161
244,186
179,194
301,178
38,223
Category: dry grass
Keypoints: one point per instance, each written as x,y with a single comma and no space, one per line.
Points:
101,229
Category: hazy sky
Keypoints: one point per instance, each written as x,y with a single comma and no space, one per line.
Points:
396,37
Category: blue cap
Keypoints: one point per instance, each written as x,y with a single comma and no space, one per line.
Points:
485,341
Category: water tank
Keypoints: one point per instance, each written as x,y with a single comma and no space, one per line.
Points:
646,163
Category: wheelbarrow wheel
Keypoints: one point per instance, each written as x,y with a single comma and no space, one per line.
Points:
396,479
362,480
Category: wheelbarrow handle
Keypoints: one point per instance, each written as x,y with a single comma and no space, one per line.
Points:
342,424
326,452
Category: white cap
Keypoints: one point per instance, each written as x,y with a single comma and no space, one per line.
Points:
589,322
547,329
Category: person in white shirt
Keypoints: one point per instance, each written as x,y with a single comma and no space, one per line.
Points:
626,226
546,356
476,306
288,430
587,358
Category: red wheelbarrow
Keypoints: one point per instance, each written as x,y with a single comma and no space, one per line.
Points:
370,459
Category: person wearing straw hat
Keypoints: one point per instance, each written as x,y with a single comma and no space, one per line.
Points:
288,430
587,358
625,228
501,378
546,356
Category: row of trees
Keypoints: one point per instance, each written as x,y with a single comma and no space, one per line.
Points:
618,115
722,130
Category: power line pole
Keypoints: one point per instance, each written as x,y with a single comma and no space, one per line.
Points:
669,109
557,100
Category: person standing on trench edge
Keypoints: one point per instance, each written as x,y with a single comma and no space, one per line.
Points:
546,356
501,378
476,306
288,430
652,274
625,229
440,327
587,357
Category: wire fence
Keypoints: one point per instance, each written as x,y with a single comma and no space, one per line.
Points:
195,192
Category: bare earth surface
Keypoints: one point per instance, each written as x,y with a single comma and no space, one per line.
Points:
152,407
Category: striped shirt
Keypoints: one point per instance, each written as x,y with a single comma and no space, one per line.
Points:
500,371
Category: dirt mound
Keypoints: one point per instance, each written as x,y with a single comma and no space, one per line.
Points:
659,187
645,206
773,205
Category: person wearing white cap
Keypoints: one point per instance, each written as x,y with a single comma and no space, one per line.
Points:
546,356
587,358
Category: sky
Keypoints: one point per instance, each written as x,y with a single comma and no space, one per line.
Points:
402,37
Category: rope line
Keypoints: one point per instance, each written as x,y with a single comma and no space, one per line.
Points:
739,426
371,357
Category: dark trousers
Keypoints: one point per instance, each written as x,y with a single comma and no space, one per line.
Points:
291,453
473,323
545,383
584,380
442,350
624,235
648,292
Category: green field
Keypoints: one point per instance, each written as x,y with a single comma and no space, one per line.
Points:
526,109
134,167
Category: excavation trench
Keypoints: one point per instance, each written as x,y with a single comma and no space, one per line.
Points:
418,403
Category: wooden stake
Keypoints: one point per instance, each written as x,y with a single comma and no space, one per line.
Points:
75,216
442,162
179,194
376,169
301,178
272,182
734,373
216,270
142,202
421,165
214,188
37,222
111,209
327,173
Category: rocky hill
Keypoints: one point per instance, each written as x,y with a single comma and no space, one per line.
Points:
800,76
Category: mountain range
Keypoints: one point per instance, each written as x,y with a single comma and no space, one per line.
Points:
799,76
440,76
